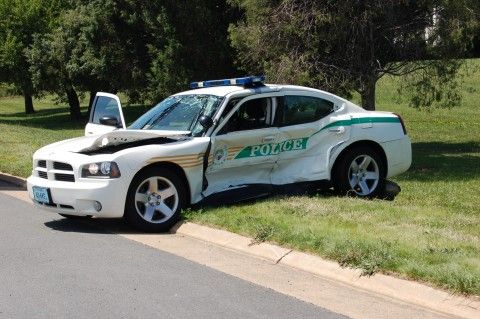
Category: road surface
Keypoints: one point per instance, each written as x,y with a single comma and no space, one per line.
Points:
54,267
57,268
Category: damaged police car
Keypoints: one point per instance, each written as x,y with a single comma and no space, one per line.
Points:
234,136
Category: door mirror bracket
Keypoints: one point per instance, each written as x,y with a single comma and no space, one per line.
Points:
206,121
110,121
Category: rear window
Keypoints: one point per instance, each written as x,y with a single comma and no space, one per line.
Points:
304,109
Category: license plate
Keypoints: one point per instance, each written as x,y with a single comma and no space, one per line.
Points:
41,194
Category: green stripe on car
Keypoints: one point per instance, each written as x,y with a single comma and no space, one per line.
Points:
273,148
359,120
301,143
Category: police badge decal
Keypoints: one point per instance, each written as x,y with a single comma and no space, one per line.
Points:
220,155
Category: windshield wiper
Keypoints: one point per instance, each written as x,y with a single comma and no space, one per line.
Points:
167,111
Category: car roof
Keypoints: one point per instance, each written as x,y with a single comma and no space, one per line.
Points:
229,89
214,90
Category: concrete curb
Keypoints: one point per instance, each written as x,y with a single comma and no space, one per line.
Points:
233,241
17,181
392,287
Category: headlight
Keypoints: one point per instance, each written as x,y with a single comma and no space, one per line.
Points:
101,170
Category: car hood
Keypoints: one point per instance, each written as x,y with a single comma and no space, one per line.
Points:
128,136
113,140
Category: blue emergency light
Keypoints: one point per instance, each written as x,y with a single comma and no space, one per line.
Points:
248,81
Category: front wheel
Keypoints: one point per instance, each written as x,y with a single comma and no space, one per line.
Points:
360,172
154,201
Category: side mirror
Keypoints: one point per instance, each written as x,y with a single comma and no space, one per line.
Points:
109,121
206,121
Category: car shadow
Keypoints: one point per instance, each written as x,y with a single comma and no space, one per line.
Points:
107,226
117,226
301,189
76,226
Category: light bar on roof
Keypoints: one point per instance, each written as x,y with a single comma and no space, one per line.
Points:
247,81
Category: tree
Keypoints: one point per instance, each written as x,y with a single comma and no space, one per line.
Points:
146,49
201,28
451,40
20,20
48,56
342,46
475,51
74,56
112,46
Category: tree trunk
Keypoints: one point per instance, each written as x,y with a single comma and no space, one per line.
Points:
28,103
90,103
368,95
74,103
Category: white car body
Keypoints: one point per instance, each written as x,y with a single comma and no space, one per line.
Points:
274,155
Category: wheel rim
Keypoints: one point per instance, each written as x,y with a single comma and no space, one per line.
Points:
156,199
363,175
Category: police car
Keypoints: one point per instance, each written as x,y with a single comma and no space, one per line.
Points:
238,137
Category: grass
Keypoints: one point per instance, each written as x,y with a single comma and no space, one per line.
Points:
23,134
430,233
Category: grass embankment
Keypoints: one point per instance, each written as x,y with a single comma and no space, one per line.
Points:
431,232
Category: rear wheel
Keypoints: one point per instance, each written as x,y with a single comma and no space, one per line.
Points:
360,172
154,201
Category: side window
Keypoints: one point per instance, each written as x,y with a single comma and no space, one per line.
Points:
303,109
251,115
230,106
105,107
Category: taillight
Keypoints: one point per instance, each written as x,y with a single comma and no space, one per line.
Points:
403,124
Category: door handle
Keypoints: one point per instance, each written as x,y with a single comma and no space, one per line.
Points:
267,139
337,129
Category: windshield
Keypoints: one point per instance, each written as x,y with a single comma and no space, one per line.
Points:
178,113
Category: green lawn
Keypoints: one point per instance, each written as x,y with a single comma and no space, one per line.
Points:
23,134
431,232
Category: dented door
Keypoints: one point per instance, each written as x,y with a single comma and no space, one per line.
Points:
309,128
245,146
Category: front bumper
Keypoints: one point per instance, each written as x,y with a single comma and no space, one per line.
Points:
79,198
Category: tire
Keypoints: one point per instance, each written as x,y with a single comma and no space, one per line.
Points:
154,200
360,172
75,217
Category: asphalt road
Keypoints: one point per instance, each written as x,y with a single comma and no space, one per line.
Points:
57,268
